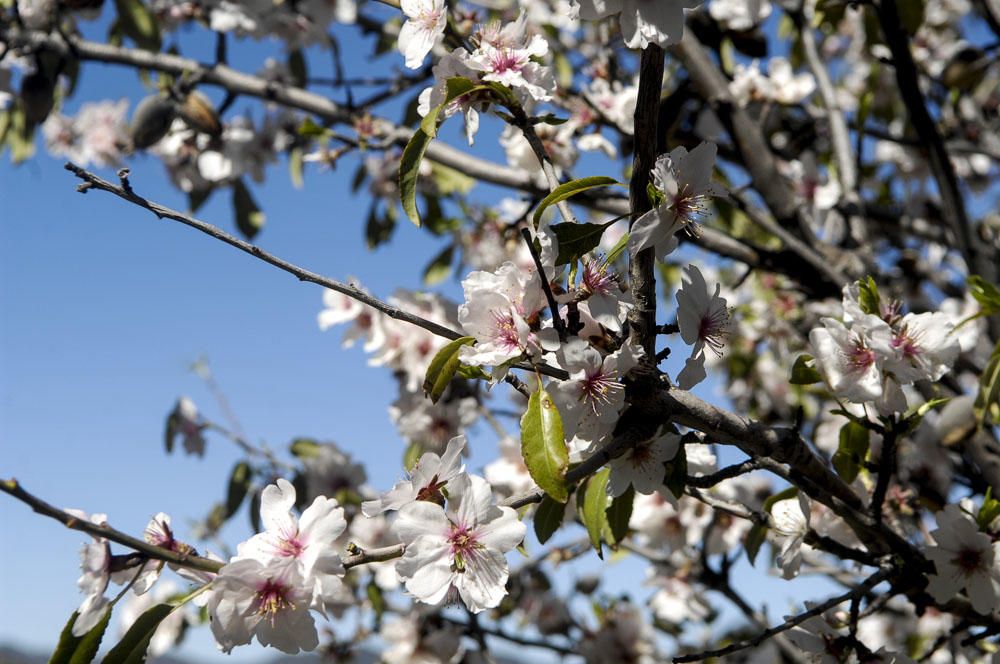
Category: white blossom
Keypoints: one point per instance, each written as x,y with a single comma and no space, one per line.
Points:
426,21
267,601
643,22
642,465
685,180
965,559
461,547
703,319
429,476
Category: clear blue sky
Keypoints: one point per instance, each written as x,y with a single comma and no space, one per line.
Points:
103,309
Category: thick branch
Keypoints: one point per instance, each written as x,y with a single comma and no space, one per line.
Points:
755,154
908,80
252,86
642,280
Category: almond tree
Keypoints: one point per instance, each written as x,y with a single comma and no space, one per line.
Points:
812,185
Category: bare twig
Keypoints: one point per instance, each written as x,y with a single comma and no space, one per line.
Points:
794,621
14,488
92,181
557,321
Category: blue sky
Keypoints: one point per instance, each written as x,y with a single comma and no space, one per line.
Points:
103,309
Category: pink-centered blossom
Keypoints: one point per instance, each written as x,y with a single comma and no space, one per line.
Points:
461,547
427,480
703,318
268,601
685,181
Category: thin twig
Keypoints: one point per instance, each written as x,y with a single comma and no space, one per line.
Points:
557,321
794,621
14,488
92,181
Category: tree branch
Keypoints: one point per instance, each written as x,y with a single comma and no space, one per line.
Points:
13,488
642,280
794,621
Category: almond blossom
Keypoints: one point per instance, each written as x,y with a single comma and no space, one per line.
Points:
965,559
95,562
642,466
703,319
643,22
925,345
308,544
851,359
507,54
685,180
426,21
268,601
429,476
593,396
461,547
790,523
497,306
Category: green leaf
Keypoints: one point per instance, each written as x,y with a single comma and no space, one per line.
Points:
297,68
197,198
254,511
595,504
443,367
470,372
987,404
619,513
249,218
803,373
377,599
989,510
170,432
137,23
851,451
569,189
617,250
239,485
543,445
986,294
295,167
412,455
439,268
727,56
576,240
551,119
304,448
548,517
80,649
754,539
676,473
563,70
413,153
379,229
868,297
132,648
785,494
911,14
67,642
309,129
449,181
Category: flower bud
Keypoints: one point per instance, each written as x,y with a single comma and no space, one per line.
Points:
199,113
37,97
151,120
